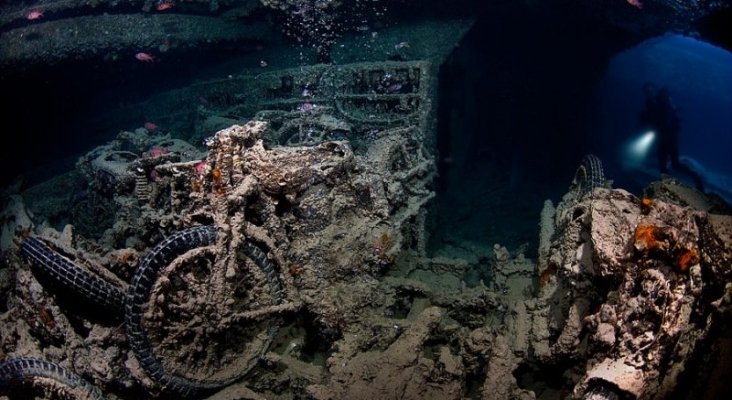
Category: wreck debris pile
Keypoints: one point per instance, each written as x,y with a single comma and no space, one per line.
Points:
289,259
286,228
626,288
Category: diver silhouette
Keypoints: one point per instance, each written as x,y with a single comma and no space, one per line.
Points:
661,115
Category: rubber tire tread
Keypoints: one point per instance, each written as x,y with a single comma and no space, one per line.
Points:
590,175
139,292
73,277
17,370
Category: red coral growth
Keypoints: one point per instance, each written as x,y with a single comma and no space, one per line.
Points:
646,205
649,238
216,175
546,275
295,270
688,258
381,245
46,317
218,181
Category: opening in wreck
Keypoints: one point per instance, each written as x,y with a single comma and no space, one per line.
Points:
526,94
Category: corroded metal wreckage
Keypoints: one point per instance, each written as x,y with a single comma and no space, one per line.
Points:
631,289
289,260
251,233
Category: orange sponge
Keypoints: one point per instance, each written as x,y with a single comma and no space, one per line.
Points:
648,237
687,258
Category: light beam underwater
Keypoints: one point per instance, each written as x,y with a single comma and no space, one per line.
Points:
637,149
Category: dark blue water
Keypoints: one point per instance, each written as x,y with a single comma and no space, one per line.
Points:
699,78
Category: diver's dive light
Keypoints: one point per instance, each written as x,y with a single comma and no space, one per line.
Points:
638,148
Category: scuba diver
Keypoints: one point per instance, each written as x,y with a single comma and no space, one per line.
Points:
661,115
